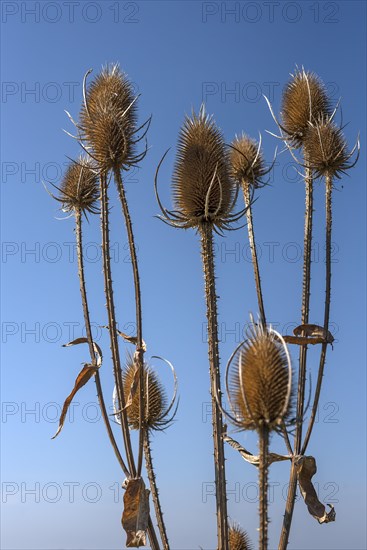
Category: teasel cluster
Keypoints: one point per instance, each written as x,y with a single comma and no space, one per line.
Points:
108,132
204,196
248,171
307,124
259,387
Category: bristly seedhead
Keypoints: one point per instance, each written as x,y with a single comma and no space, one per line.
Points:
155,397
304,100
247,161
261,380
327,149
108,119
238,539
79,188
202,189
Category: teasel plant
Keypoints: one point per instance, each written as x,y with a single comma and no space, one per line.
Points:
158,416
259,390
107,131
78,195
204,197
248,170
305,108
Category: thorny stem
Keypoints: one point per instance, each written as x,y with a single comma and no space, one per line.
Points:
217,422
255,263
114,341
112,323
328,207
83,293
283,542
263,486
139,331
154,489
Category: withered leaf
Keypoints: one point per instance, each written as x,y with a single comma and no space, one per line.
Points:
306,469
302,340
135,516
130,339
85,374
83,340
249,457
314,331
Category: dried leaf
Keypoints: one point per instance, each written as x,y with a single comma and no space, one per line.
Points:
306,469
303,340
130,339
85,374
135,516
314,331
249,457
84,340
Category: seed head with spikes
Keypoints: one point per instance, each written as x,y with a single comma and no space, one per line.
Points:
203,191
79,188
327,149
304,100
247,161
108,120
238,538
261,381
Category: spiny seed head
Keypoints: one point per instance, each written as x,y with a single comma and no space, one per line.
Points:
202,188
246,161
108,119
155,397
260,381
238,538
304,100
326,148
79,188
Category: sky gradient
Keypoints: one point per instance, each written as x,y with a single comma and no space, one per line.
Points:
64,494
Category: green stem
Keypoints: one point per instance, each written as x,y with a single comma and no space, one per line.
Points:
206,231
138,309
263,486
154,490
255,263
83,293
284,537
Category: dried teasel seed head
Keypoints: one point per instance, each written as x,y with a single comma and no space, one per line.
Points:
108,119
261,381
327,149
202,188
246,161
79,188
238,538
155,397
304,100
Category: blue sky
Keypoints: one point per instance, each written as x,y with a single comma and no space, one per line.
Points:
178,54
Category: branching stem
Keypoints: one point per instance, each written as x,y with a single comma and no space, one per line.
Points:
284,537
263,486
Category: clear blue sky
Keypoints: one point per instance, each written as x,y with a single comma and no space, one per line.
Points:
178,54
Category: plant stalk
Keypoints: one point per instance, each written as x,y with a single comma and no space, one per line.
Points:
263,486
139,357
112,323
154,490
255,263
83,293
206,232
306,288
328,208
